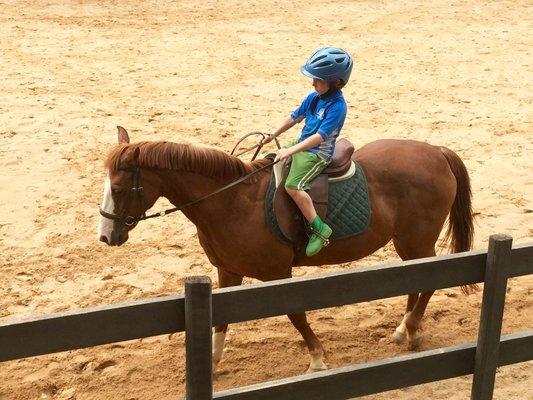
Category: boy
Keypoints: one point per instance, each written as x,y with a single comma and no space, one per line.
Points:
324,111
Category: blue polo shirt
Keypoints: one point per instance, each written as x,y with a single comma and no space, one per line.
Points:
323,115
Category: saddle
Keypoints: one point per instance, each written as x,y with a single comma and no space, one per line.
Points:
288,215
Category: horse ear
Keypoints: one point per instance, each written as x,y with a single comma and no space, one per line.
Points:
123,136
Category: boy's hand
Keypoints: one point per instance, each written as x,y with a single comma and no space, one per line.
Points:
283,154
267,139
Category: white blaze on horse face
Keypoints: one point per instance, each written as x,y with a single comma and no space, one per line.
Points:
105,226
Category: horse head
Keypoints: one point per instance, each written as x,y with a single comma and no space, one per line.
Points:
126,196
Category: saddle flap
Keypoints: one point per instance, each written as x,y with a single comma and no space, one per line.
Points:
319,194
288,215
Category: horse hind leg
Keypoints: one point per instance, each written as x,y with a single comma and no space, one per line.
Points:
225,279
416,303
414,320
400,333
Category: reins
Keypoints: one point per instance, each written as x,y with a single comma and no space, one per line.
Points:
258,146
234,183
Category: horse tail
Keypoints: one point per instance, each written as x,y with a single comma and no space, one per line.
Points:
460,231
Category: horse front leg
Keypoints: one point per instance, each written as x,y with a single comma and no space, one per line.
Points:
316,351
225,279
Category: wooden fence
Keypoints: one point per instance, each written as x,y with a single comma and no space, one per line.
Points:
196,311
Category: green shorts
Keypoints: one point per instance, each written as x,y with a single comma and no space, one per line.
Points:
304,168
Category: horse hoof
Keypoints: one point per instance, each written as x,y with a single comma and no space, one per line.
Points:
316,368
415,343
398,337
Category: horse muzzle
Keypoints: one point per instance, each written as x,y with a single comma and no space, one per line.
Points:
115,239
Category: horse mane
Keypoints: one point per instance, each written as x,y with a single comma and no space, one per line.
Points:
183,157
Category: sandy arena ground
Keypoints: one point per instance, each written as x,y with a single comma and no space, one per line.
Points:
450,73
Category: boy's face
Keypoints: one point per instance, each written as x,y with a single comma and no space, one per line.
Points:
320,86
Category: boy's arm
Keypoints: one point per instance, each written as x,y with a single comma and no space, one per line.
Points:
287,124
309,143
297,116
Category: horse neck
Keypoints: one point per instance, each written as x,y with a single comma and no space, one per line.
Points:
181,187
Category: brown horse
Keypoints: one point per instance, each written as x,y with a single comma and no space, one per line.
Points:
413,188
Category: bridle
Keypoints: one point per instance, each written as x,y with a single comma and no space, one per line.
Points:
138,191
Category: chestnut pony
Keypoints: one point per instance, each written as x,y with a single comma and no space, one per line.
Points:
413,186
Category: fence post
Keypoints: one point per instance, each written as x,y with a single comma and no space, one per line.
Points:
490,324
198,347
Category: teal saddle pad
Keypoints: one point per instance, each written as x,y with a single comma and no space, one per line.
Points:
348,207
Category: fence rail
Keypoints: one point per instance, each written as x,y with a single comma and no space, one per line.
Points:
379,376
109,324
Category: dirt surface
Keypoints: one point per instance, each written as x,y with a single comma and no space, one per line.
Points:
450,73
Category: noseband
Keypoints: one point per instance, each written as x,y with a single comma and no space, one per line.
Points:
136,191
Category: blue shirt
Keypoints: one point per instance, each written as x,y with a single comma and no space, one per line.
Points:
325,116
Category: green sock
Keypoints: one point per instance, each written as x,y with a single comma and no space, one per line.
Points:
317,224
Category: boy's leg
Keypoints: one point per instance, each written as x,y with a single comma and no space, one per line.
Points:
304,203
304,168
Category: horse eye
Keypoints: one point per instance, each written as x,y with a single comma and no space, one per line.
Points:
116,190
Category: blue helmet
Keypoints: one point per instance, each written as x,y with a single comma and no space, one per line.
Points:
329,64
